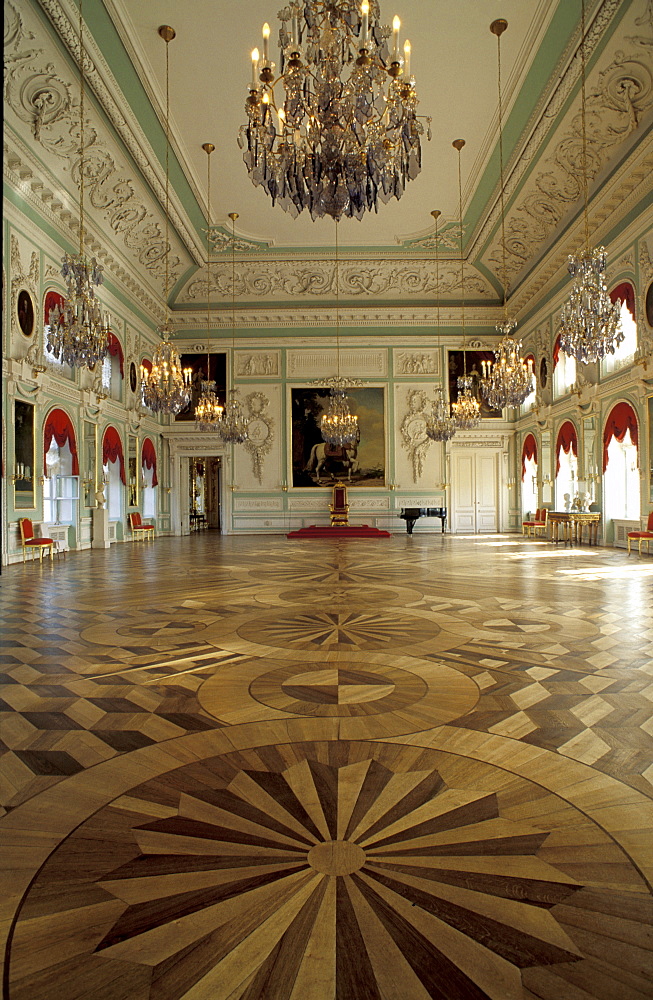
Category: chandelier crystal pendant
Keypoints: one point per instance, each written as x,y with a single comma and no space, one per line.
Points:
466,410
208,409
440,425
508,380
590,323
346,134
339,425
166,388
232,427
79,332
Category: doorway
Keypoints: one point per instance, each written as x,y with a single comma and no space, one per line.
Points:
474,493
204,509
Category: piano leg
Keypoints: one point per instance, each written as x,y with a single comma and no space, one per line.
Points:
444,521
410,524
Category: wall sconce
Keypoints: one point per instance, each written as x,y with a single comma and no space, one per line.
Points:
233,487
284,487
511,482
393,486
442,486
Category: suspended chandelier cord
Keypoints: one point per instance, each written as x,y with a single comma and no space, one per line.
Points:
436,216
583,125
459,143
233,216
82,96
209,149
167,230
337,270
501,191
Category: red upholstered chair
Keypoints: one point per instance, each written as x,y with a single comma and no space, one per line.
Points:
641,535
138,528
28,541
538,523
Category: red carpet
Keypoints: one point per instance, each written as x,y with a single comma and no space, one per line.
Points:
339,531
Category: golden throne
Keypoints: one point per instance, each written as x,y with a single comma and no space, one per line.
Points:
339,508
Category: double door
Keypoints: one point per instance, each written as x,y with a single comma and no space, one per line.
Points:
474,491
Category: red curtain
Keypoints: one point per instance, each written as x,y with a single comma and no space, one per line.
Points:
53,300
567,439
112,451
528,451
146,364
115,350
149,459
625,293
556,352
59,426
622,418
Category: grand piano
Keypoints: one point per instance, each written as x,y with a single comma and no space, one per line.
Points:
411,514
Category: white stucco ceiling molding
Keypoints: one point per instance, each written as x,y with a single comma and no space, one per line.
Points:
64,17
359,318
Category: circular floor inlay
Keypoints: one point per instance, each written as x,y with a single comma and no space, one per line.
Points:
339,687
346,630
336,857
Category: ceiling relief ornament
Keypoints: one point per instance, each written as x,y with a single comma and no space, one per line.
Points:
260,431
449,240
413,431
621,93
40,98
260,279
220,241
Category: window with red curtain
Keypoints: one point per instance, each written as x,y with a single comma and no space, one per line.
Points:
59,426
112,451
53,300
622,418
529,451
556,352
115,350
625,293
567,440
149,459
147,364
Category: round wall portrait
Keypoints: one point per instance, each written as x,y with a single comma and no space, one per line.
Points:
25,310
648,305
132,377
544,373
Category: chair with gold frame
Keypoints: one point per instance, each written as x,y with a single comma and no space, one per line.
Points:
645,535
138,528
339,508
29,541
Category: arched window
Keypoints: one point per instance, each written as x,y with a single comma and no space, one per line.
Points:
60,468
564,370
566,464
621,494
146,365
113,368
150,481
113,465
625,352
529,475
529,402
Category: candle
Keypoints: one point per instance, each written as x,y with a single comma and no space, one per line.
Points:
255,56
396,25
407,59
365,14
266,42
294,31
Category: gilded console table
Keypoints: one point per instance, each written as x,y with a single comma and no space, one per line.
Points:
573,523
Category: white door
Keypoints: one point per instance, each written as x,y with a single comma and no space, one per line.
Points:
474,491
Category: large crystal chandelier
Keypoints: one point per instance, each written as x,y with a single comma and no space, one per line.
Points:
345,134
590,324
79,332
466,410
232,428
339,425
508,380
208,409
166,388
440,425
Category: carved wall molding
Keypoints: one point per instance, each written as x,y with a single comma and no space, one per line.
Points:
413,431
416,362
267,317
359,363
317,504
259,363
420,501
242,504
41,97
260,431
357,502
29,280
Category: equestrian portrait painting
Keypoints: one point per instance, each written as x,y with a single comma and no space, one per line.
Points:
315,463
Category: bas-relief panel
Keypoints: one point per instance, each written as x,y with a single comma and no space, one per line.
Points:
257,463
417,458
321,362
416,362
262,364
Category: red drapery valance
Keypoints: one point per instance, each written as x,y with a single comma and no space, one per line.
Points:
115,350
59,426
622,418
149,459
625,293
53,300
567,439
556,352
529,451
145,363
112,451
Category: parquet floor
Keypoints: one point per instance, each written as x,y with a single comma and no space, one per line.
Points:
260,769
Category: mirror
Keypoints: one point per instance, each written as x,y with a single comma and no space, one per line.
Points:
132,478
24,458
89,470
545,468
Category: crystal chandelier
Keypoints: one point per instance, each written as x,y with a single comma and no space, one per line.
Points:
232,427
78,333
466,410
440,425
166,388
345,135
590,324
339,425
208,410
508,380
